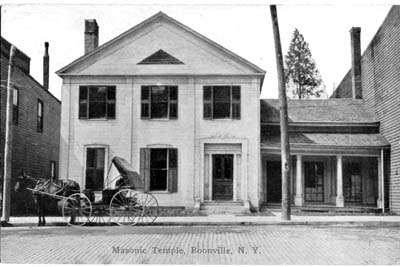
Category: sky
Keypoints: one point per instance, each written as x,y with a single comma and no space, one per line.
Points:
243,27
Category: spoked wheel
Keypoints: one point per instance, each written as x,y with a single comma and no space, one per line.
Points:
124,208
149,205
77,209
100,215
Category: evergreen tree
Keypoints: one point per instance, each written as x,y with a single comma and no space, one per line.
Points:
302,76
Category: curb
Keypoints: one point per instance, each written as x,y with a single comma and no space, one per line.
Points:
244,223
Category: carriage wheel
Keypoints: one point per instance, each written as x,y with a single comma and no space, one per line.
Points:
77,209
124,208
150,207
100,215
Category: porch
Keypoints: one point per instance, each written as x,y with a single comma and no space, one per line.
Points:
342,178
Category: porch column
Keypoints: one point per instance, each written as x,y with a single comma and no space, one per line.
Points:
298,200
339,182
380,202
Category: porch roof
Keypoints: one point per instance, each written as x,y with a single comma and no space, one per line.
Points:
328,140
319,111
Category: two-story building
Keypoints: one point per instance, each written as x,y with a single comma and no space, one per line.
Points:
182,109
35,125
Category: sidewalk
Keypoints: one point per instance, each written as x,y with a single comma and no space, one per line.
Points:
243,220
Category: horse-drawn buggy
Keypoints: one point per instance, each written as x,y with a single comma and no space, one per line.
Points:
123,200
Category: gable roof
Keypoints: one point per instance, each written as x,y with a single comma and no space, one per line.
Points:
319,111
155,18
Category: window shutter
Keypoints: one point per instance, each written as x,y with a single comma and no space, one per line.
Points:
145,102
207,102
173,102
173,170
145,168
111,102
236,102
83,102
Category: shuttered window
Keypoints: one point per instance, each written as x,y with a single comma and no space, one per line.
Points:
159,169
220,102
97,102
95,164
159,102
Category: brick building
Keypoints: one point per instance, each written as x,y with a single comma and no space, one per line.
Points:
378,80
36,124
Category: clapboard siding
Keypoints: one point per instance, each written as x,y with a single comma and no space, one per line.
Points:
381,87
380,65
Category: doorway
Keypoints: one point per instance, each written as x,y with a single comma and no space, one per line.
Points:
274,181
222,170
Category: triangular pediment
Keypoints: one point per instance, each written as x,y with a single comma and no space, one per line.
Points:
160,46
161,58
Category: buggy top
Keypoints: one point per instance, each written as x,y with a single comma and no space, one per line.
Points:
129,176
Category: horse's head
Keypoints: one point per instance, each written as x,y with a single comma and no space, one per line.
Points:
22,182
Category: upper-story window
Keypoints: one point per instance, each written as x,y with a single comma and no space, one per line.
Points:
97,102
40,116
221,102
15,106
159,102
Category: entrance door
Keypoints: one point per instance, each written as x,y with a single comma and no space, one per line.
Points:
95,168
222,177
274,181
314,181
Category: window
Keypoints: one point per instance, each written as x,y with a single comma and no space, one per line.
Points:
314,181
159,102
221,102
53,171
352,181
15,106
97,102
95,162
40,116
159,169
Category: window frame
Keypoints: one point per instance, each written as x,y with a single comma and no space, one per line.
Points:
40,116
106,162
166,169
86,103
146,103
15,106
208,103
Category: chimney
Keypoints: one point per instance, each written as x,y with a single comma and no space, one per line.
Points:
356,63
46,66
91,35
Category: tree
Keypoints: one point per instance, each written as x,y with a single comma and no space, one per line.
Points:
301,74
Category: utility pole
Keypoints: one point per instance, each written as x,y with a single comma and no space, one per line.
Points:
285,150
5,217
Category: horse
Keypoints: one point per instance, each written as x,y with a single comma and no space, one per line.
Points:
62,188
